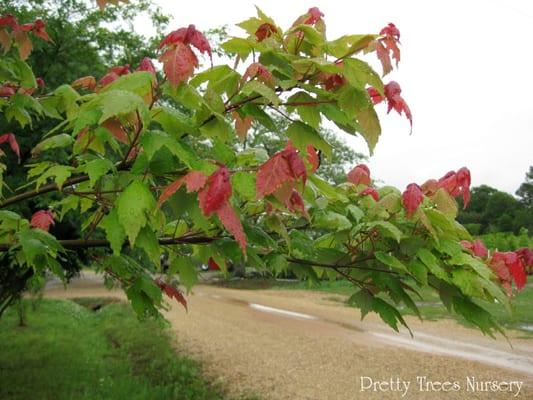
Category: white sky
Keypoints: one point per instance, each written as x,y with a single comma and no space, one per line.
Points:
465,73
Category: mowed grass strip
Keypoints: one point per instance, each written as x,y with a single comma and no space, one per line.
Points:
68,351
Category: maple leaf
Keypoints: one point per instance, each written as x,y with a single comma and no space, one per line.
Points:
259,71
526,255
392,91
331,81
147,65
23,41
314,16
114,126
232,223
411,198
216,191
40,83
370,192
264,31
194,181
8,20
172,292
284,166
391,30
296,203
313,158
430,187
42,219
186,36
387,45
5,40
39,30
359,175
198,40
311,17
7,90
178,63
477,247
242,125
10,138
212,264
296,164
457,183
509,265
85,82
113,74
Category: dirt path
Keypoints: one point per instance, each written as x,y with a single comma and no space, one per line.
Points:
299,345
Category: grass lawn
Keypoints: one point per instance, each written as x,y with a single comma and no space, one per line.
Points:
68,351
430,305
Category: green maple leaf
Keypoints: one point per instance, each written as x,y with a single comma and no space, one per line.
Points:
133,207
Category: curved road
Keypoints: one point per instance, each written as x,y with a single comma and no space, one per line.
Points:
304,345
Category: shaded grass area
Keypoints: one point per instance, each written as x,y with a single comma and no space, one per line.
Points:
430,306
68,351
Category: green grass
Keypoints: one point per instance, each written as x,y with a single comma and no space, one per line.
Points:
68,351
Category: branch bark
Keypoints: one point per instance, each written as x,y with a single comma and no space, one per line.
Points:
87,243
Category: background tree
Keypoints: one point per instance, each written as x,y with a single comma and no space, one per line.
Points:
525,191
491,211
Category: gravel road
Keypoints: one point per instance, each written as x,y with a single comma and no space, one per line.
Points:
305,345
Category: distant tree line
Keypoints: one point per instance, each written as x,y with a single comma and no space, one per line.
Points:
491,210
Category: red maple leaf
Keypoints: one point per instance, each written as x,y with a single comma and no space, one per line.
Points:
10,138
212,264
259,71
39,30
313,158
394,99
332,81
370,192
284,166
42,219
296,203
186,36
509,265
264,31
194,181
314,16
7,90
114,126
113,74
477,247
147,65
392,31
216,191
526,255
457,183
8,20
359,175
172,292
232,223
411,198
178,63
386,45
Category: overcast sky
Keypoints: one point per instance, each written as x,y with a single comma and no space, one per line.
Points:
465,73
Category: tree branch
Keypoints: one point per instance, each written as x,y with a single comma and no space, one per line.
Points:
336,266
87,243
